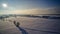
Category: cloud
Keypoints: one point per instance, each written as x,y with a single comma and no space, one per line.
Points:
38,11
55,10
35,11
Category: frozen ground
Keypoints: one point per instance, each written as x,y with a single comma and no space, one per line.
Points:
30,26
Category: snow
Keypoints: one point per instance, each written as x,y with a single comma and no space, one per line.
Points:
29,25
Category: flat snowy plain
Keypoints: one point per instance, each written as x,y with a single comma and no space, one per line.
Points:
29,25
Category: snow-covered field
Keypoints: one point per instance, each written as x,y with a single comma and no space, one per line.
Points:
29,25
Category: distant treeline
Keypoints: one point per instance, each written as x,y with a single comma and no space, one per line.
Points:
34,16
47,17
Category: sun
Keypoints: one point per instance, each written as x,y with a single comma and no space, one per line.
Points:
4,5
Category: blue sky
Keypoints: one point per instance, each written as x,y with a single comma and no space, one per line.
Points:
30,6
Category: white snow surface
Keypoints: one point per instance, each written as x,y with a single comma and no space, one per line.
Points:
30,26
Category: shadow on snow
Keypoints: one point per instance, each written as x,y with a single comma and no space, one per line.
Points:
22,30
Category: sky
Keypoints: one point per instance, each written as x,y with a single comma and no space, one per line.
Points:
29,6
